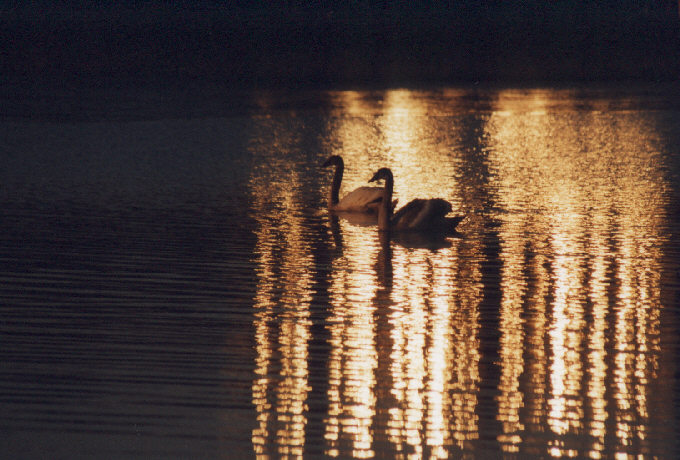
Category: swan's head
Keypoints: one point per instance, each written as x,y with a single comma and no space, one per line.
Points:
382,173
333,160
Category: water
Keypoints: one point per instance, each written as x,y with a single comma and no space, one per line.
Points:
172,286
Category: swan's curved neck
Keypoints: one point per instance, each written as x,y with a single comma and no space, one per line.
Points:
334,196
385,208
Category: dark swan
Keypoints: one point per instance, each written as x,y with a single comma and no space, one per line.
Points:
417,215
363,199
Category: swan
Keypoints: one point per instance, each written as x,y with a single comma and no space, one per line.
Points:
417,215
362,199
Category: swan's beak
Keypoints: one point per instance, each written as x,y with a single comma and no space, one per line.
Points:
374,178
326,163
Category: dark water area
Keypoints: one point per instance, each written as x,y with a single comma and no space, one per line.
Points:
338,44
172,285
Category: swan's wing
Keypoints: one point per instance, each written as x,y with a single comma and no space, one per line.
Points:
421,214
361,199
407,214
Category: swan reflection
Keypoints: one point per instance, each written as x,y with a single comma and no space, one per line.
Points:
360,219
383,265
423,240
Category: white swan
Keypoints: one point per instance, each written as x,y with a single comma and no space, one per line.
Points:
363,199
417,215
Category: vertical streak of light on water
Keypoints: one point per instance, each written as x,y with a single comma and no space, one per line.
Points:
282,309
571,176
538,333
354,357
425,390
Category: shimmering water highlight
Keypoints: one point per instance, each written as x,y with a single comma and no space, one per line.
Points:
176,288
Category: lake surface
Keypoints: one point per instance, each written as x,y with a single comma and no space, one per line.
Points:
172,285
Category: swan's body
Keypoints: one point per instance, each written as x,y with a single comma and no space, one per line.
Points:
362,199
417,215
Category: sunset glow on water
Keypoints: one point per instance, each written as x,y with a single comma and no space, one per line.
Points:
178,285
567,212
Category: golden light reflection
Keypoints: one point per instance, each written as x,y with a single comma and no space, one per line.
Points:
598,268
434,355
417,150
583,193
419,319
565,411
573,205
282,333
354,138
353,358
281,316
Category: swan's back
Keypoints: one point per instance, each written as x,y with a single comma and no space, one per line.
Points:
421,214
361,199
